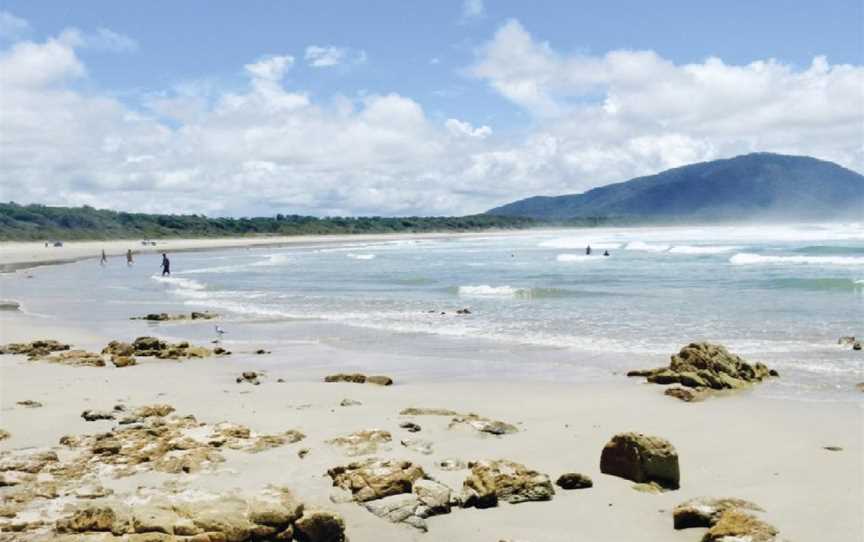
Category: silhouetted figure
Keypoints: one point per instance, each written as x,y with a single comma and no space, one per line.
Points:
166,265
104,259
129,257
605,252
588,250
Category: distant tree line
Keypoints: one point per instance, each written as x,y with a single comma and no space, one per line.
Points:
40,222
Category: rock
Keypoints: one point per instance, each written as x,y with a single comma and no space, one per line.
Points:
89,518
703,512
75,357
860,386
649,487
219,351
303,452
434,498
319,526
857,345
35,349
413,411
148,344
503,480
688,395
249,377
483,425
29,403
4,434
463,311
451,464
398,509
411,427
358,378
375,479
361,442
833,448
203,315
117,348
349,402
158,410
123,361
574,480
261,351
847,340
736,525
707,365
94,415
641,458
164,317
9,305
418,445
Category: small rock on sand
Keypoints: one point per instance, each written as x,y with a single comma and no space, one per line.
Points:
574,480
29,403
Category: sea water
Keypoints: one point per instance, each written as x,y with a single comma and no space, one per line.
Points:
540,307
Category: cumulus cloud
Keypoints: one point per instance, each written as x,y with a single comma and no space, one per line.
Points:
12,27
271,68
269,147
327,56
472,9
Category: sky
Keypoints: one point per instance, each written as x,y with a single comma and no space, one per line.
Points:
408,107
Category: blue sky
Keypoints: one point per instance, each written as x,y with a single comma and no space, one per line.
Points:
530,73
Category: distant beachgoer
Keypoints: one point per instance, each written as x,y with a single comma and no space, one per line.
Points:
46,244
588,250
166,265
129,257
104,259
605,252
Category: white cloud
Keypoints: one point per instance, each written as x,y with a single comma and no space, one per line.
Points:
108,40
472,9
270,148
327,56
271,68
460,128
12,27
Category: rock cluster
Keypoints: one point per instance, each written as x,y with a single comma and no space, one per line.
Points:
641,458
36,349
706,366
726,519
375,479
358,378
361,442
470,421
502,480
163,317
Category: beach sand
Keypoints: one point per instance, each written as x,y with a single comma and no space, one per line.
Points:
768,451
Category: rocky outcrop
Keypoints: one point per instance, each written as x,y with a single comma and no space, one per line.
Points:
574,480
358,378
503,480
36,349
165,317
157,348
707,366
726,519
361,442
121,354
375,479
641,458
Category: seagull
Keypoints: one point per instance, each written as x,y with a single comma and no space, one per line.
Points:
219,331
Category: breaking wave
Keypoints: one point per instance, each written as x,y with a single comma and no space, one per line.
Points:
746,258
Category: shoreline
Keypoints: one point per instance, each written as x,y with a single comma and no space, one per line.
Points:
18,255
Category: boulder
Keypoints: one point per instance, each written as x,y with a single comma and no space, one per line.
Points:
574,480
118,348
736,524
704,512
319,526
503,480
375,479
641,458
123,361
434,498
398,509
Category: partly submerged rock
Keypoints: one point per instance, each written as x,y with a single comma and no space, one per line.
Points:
376,479
641,458
491,481
574,480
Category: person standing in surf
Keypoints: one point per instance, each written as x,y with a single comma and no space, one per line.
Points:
166,265
129,257
588,250
104,259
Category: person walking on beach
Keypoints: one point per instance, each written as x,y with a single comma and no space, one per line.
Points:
129,257
588,250
104,259
166,265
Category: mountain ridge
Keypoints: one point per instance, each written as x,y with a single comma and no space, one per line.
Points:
757,185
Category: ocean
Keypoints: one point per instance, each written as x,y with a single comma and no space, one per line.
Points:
540,308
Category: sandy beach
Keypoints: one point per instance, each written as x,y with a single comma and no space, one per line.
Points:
800,461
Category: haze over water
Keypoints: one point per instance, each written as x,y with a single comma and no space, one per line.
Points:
540,308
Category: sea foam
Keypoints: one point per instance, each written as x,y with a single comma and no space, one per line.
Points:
746,258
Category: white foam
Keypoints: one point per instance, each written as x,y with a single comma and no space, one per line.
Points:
570,242
745,258
578,258
272,259
646,247
487,290
704,249
180,282
362,256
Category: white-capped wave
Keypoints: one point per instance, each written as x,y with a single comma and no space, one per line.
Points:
487,290
578,258
646,247
180,282
217,269
361,256
701,249
272,259
569,242
746,258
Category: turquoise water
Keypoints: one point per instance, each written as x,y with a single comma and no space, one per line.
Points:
780,294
